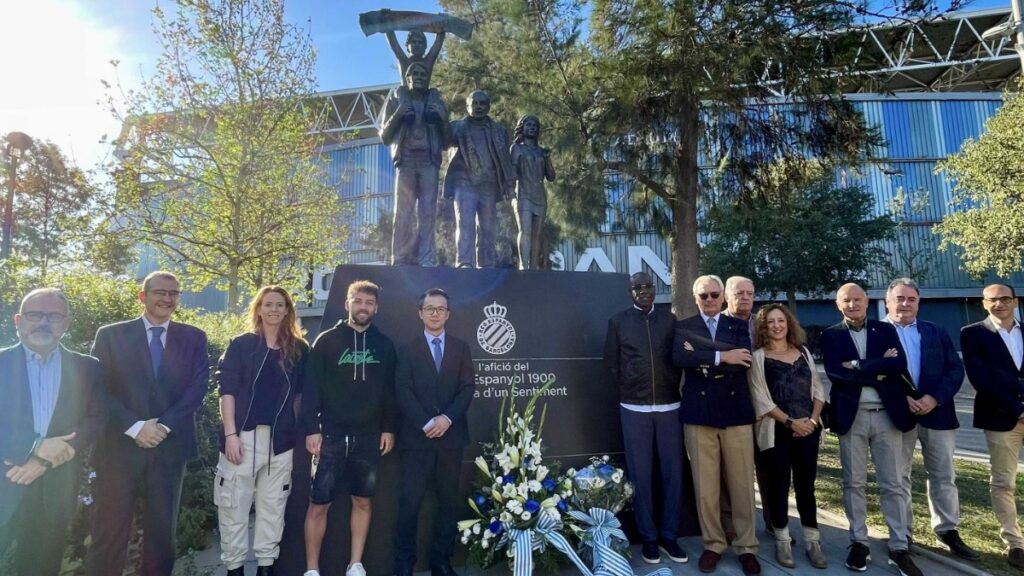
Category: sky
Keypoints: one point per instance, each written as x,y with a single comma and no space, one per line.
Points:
56,52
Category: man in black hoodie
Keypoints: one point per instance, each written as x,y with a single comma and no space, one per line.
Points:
348,414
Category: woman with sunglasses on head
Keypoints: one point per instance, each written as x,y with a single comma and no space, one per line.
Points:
260,377
788,399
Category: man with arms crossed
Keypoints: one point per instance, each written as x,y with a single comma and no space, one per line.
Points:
156,372
51,413
870,404
935,370
434,385
993,352
348,414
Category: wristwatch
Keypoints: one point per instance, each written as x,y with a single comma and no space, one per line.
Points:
855,363
789,422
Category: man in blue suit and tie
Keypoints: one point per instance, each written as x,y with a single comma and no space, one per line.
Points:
434,383
994,358
936,372
156,374
870,407
51,413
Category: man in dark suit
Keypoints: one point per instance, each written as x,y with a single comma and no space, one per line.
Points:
156,373
994,357
51,413
936,372
718,417
870,405
434,384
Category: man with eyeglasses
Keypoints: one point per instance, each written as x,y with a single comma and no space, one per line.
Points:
156,372
51,413
870,406
994,358
434,384
936,373
718,416
638,357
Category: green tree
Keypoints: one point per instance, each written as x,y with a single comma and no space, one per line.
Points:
219,164
988,177
797,232
658,88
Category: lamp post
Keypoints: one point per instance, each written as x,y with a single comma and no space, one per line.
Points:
17,144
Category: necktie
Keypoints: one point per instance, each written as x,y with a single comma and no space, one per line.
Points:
437,353
711,327
156,348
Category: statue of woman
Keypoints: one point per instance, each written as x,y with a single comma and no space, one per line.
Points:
531,164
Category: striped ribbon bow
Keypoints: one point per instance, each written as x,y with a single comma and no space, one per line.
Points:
604,529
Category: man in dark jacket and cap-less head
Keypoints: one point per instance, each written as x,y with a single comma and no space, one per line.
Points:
638,355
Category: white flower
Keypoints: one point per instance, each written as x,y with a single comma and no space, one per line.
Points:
525,515
535,486
542,473
465,525
482,465
598,483
550,502
485,544
569,474
476,528
523,489
605,458
617,476
465,540
505,517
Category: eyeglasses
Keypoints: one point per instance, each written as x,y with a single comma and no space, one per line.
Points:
641,287
1000,299
165,293
431,310
712,295
37,316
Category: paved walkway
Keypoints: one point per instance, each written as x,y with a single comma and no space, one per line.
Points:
835,539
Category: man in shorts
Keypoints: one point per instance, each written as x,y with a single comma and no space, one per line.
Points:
348,415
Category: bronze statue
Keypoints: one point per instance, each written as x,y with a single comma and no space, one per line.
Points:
479,176
415,127
416,43
532,164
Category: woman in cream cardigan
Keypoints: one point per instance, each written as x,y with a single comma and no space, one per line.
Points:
788,399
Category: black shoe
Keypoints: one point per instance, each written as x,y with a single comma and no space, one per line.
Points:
1016,558
406,571
649,552
957,546
902,561
858,558
240,571
672,549
443,570
265,570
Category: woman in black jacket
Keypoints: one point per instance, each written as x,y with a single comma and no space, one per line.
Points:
260,376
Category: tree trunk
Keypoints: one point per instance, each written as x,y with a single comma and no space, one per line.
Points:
791,301
685,248
232,287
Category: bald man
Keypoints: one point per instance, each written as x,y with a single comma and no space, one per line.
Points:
865,363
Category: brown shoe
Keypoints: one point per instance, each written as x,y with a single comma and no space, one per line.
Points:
750,564
708,561
1016,558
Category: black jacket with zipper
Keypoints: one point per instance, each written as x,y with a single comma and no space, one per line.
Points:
638,356
237,371
350,383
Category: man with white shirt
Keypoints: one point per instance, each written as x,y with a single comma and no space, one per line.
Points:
156,372
638,357
936,372
994,358
434,384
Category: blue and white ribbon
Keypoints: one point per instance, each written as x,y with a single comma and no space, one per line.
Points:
604,529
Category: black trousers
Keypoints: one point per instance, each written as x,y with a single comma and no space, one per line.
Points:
648,436
38,528
422,470
158,482
795,458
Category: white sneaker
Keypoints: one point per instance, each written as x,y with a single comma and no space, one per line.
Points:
311,573
355,570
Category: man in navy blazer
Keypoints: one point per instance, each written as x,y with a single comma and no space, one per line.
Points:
994,357
870,413
51,413
936,372
434,383
718,417
156,374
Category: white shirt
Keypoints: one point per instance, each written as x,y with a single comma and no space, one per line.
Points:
430,346
135,428
1013,340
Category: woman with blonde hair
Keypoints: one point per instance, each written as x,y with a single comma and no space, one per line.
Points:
260,377
788,399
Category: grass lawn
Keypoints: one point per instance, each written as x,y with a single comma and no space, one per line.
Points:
978,525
